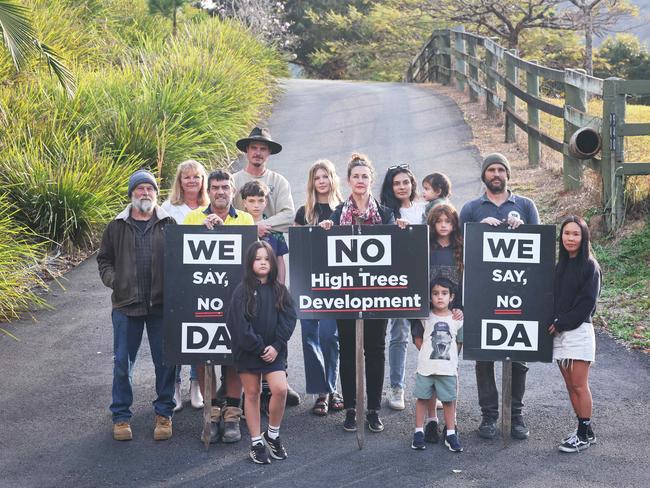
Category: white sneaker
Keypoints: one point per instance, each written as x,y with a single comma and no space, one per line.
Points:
177,398
438,405
195,394
396,400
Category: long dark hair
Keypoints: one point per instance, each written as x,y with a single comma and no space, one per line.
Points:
388,197
455,239
585,253
251,282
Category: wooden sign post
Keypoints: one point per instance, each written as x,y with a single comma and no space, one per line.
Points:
506,400
361,383
208,379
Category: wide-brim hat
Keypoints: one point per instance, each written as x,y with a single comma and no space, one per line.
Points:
259,135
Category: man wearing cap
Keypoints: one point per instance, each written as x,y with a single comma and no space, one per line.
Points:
499,206
280,211
130,262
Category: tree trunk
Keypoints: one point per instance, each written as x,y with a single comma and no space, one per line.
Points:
589,42
174,18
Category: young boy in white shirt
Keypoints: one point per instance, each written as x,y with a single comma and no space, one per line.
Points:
437,370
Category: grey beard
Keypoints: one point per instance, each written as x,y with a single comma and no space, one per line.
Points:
143,205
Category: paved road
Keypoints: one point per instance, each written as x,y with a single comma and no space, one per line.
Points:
55,387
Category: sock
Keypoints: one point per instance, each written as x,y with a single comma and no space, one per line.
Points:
256,441
419,429
432,419
232,402
583,427
451,432
273,432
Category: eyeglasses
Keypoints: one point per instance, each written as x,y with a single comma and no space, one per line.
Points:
399,166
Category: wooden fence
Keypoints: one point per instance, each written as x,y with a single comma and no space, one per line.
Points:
501,78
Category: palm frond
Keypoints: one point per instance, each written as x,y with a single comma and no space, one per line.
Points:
55,63
17,31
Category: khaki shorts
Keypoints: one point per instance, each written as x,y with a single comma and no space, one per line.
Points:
444,387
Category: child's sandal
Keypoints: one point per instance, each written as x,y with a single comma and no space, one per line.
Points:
336,402
321,406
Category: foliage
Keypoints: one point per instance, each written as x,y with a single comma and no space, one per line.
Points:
552,48
625,301
167,8
19,258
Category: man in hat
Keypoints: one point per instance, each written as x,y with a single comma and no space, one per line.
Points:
130,262
499,206
280,211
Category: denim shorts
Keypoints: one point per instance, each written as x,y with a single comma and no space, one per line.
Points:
444,387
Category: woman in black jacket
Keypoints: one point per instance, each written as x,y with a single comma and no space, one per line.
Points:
361,208
576,290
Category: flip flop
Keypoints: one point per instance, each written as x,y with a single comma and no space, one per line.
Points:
321,406
336,402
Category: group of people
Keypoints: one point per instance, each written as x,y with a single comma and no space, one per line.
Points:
261,316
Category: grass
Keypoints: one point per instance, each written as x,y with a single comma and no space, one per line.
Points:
625,302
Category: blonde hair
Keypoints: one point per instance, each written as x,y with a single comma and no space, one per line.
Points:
176,196
359,159
334,197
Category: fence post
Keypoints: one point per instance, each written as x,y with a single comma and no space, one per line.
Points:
459,45
447,57
435,58
572,168
532,88
490,82
511,100
613,153
473,70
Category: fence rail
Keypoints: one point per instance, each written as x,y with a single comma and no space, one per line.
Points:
503,80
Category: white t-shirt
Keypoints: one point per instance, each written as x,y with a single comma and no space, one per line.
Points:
413,213
439,353
178,212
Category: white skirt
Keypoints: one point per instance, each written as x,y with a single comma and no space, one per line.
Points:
577,344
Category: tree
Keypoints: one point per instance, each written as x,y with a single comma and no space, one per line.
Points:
21,42
596,17
167,8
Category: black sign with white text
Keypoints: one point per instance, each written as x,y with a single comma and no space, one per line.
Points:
352,272
202,268
508,292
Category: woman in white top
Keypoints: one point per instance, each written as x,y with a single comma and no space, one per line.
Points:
188,192
399,193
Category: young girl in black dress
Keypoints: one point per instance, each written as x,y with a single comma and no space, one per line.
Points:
261,319
576,290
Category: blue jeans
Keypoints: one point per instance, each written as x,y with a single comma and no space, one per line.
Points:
194,375
127,336
399,340
320,347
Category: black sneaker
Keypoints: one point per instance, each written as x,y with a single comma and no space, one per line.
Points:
418,441
591,437
350,423
431,432
574,444
488,428
374,422
453,443
259,454
518,429
275,447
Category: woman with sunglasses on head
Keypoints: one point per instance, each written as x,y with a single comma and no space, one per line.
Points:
399,193
320,341
576,290
361,208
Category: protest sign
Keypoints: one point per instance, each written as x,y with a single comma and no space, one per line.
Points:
202,268
508,292
353,272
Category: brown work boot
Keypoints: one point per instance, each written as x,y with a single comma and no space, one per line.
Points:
215,419
163,430
122,431
231,432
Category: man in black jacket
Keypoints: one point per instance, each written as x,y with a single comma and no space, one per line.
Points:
130,262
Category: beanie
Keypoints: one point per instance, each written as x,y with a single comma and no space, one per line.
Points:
139,177
494,158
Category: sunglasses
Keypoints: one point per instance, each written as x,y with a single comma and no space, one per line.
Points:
399,166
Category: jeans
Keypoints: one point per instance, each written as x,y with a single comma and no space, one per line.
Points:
127,336
399,341
320,348
488,396
374,346
194,375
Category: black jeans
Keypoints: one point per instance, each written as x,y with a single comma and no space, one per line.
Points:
374,346
488,396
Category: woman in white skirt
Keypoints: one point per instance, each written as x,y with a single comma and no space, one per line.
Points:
576,290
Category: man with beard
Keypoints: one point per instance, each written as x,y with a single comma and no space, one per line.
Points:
130,262
499,206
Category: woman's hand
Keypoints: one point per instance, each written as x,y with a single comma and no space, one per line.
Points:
326,224
457,314
552,330
269,354
212,220
402,223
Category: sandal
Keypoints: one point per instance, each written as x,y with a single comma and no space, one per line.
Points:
321,406
336,402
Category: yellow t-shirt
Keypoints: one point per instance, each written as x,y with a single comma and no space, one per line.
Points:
235,217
